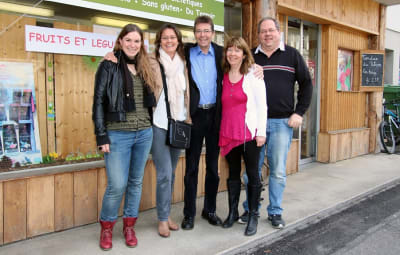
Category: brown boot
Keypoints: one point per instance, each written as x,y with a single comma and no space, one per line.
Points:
106,234
129,232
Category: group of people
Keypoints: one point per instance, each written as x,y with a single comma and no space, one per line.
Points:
223,94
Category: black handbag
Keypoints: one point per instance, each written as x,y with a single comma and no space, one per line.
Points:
178,134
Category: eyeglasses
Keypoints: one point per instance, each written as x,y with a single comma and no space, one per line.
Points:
170,38
205,31
271,30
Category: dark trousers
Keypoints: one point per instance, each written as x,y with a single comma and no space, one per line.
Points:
203,128
251,154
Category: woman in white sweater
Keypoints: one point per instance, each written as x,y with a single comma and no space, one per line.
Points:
243,125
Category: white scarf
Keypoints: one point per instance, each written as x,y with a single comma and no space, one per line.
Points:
176,82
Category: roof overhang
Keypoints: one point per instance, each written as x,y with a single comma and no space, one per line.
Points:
388,2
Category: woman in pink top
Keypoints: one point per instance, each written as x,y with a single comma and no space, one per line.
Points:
243,125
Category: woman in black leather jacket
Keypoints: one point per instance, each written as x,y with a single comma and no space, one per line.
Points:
123,99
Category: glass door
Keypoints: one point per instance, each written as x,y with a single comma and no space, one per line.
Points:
303,36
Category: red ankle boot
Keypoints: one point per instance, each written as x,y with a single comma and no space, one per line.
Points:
129,232
106,234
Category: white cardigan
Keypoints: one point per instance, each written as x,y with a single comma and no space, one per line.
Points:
256,106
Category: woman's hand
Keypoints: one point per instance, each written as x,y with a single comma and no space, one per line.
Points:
104,148
260,140
111,57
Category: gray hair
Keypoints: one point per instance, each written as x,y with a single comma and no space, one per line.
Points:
277,26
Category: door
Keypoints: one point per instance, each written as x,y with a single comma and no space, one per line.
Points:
303,36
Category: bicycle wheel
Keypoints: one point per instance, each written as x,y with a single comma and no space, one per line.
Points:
387,137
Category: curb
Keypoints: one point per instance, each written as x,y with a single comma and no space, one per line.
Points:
252,246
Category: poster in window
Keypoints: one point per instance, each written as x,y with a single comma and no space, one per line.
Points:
1,143
17,94
345,70
10,138
18,116
3,115
14,112
24,113
25,137
26,96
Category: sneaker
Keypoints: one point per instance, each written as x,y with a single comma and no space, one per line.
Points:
244,218
276,221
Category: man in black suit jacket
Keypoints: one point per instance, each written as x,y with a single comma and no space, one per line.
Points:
205,80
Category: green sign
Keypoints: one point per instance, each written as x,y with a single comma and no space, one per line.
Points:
175,11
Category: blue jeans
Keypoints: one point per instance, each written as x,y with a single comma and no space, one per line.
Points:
165,159
125,164
279,138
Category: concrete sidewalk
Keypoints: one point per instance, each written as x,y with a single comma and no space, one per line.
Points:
317,191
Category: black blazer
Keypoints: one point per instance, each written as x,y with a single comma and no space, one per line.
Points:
194,90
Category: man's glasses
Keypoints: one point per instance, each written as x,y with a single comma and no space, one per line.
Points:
205,31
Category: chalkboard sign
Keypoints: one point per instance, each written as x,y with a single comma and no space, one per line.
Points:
372,65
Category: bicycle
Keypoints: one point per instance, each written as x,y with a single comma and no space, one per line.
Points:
389,129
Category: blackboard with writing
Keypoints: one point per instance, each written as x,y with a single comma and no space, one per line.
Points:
372,69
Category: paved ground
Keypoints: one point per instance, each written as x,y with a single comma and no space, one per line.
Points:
369,227
317,191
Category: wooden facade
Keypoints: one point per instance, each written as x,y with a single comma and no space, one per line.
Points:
36,205
348,120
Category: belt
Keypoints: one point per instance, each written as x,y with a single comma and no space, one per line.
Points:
206,106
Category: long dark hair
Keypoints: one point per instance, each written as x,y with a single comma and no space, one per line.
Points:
178,34
143,65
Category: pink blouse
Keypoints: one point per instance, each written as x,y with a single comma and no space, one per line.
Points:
233,131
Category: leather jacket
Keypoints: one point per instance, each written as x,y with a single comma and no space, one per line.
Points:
108,101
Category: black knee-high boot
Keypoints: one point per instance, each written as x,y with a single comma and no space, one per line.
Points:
254,193
233,197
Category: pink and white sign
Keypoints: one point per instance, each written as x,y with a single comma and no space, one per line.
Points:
43,39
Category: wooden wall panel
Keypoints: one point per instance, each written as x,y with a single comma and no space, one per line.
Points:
340,110
101,188
362,14
202,175
74,83
85,197
14,210
64,201
149,186
360,143
323,147
344,143
179,184
1,214
223,170
335,146
292,162
40,205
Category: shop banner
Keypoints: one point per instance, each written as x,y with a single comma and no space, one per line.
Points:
19,130
182,12
44,39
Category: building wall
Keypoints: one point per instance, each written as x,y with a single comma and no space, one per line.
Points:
392,68
359,14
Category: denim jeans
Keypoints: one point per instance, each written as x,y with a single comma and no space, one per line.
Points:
279,138
125,164
165,159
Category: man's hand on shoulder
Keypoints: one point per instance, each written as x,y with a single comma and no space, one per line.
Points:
258,71
111,57
295,120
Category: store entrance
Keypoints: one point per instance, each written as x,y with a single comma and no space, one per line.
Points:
303,36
